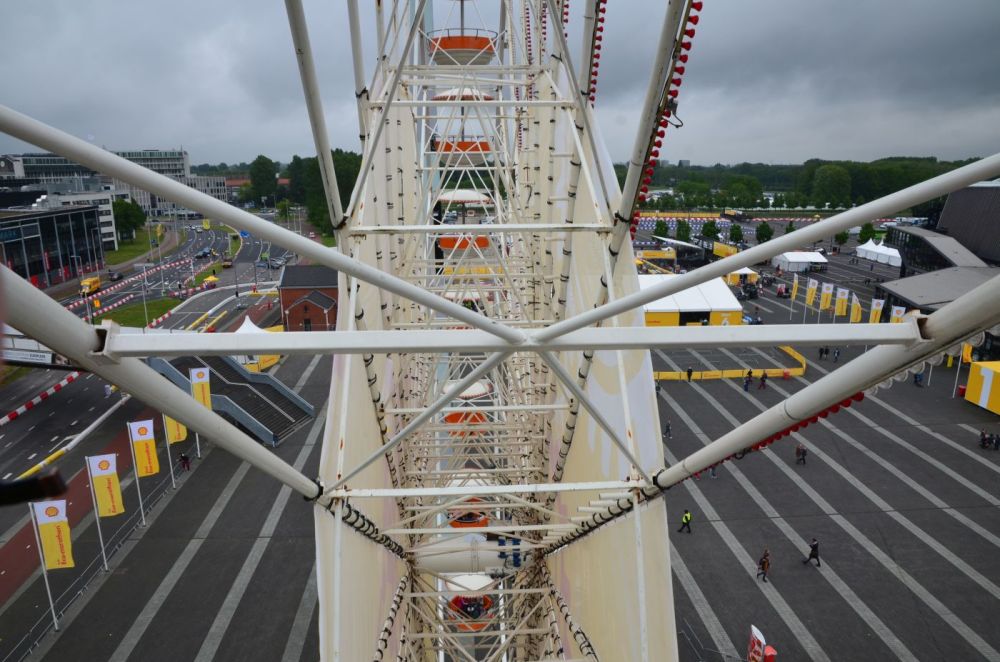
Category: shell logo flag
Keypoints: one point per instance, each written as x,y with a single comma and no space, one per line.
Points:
53,532
144,447
107,488
825,296
856,311
841,307
811,291
176,431
201,387
795,286
897,314
875,314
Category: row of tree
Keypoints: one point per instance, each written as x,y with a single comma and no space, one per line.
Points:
818,183
764,232
129,218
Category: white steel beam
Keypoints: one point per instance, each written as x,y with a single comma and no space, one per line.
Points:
314,106
932,188
447,341
492,228
485,490
36,315
38,133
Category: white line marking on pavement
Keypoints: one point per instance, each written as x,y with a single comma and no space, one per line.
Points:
866,543
720,639
31,428
853,600
32,456
212,641
149,612
969,452
74,423
54,438
92,409
303,617
305,375
7,476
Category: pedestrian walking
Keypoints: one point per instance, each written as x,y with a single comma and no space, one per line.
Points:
685,521
813,553
746,383
185,462
984,439
666,430
996,442
711,472
690,372
826,352
836,354
800,454
820,353
763,381
918,379
764,564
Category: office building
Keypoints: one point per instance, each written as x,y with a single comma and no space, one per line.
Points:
53,245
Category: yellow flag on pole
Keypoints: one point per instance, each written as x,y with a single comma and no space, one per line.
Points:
201,388
811,291
795,286
897,314
53,534
841,306
176,431
875,314
107,488
144,447
826,295
856,311
966,353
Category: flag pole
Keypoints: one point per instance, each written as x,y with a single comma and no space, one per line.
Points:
45,574
958,371
930,371
166,433
97,514
197,445
135,468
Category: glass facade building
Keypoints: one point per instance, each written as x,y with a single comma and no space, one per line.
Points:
51,246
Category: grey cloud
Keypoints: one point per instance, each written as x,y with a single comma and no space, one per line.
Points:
767,80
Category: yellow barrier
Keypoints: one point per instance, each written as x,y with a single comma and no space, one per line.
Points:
736,373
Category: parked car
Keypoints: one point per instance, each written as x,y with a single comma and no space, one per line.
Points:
226,263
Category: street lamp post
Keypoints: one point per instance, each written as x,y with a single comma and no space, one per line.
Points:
145,311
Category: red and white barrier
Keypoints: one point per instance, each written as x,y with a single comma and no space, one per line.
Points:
30,404
106,309
131,279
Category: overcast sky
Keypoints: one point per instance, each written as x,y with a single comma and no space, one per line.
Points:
768,80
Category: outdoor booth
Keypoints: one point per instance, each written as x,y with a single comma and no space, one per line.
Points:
799,261
711,303
878,253
742,276
983,387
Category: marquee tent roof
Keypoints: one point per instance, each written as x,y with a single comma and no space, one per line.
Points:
708,296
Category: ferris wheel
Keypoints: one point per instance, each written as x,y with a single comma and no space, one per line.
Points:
493,483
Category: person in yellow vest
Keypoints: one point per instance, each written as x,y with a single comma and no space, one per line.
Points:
685,521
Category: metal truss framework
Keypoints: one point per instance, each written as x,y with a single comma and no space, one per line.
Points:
476,334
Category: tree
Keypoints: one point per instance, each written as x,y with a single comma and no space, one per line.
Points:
661,229
262,181
296,174
710,230
683,231
283,210
841,238
867,232
831,185
764,232
347,166
790,227
129,217
735,233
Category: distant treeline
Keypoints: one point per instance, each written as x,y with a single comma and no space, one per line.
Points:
816,182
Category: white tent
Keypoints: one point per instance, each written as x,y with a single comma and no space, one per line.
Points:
247,327
797,260
711,301
465,197
879,253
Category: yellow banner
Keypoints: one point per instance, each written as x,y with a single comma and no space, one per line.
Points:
841,306
201,387
826,296
54,534
176,431
897,314
875,314
795,286
856,311
811,291
206,224
107,488
146,461
724,250
966,353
